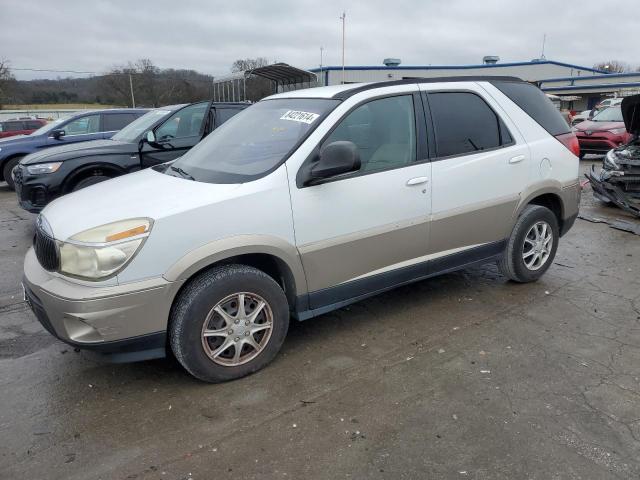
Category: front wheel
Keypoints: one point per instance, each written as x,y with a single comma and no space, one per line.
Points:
228,322
8,168
532,245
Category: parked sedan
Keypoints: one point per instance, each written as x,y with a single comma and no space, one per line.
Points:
88,125
20,126
159,136
603,132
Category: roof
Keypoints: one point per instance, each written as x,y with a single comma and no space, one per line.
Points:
278,72
342,92
458,67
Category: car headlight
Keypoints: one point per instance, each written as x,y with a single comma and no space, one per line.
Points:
103,251
609,161
618,131
40,168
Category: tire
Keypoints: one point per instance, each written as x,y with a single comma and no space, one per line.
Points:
92,180
7,168
193,314
518,262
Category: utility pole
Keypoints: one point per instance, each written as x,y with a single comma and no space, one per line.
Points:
343,17
133,99
322,79
544,40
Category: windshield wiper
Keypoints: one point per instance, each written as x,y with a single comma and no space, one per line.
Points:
182,172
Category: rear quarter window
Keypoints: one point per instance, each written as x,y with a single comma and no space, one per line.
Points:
535,104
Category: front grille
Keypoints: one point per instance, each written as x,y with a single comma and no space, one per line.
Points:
46,250
17,175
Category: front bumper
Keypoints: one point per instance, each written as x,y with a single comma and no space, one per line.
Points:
124,322
606,188
33,192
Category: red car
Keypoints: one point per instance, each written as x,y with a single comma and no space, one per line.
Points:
9,128
603,132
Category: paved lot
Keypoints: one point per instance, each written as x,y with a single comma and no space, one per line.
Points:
463,376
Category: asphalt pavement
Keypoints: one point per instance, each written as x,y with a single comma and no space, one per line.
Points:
465,376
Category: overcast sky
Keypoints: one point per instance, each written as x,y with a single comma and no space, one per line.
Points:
208,35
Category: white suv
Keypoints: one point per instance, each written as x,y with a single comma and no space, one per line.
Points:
303,203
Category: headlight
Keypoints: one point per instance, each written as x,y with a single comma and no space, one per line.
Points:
618,131
40,168
103,251
609,161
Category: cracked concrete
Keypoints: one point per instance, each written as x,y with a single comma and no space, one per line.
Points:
462,376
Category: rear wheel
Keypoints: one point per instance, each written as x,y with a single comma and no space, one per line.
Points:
89,181
532,245
8,168
228,322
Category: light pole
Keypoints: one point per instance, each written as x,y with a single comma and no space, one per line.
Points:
321,49
343,17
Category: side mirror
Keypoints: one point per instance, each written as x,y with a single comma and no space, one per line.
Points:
57,133
151,137
335,159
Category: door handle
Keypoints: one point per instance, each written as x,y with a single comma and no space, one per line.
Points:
516,159
417,181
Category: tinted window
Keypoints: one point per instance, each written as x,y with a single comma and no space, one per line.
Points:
33,125
83,125
463,123
186,122
224,114
383,130
536,104
117,121
12,126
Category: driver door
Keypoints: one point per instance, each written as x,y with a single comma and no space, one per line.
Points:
79,130
176,135
360,232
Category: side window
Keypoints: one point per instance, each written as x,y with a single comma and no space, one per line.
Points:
224,114
464,123
33,125
13,127
186,122
83,125
117,121
383,130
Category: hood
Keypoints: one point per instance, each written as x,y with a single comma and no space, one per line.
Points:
15,140
146,193
592,126
77,150
631,114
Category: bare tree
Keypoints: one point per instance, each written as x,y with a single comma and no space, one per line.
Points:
243,64
6,81
612,66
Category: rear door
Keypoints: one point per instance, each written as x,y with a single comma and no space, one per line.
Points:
176,135
480,168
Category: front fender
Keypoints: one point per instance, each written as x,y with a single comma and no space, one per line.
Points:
225,248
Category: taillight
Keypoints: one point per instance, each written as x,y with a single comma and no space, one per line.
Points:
570,141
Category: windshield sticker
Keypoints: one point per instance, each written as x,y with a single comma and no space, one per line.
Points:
298,116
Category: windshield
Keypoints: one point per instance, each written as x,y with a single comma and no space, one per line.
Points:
611,114
51,125
131,132
253,142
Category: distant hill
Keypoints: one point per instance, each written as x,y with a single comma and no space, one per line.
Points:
150,90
